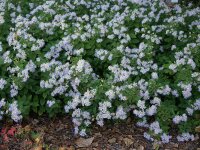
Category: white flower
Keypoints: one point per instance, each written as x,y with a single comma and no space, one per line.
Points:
175,93
156,101
164,90
15,112
197,105
154,75
155,127
151,110
82,132
120,113
88,95
111,36
141,104
101,54
135,1
143,123
173,47
59,90
185,137
2,83
172,67
177,119
14,90
67,108
189,111
6,57
80,65
148,136
1,19
187,91
139,114
165,138
99,40
110,94
83,65
2,103
1,46
50,103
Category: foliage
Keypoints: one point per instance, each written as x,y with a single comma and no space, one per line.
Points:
102,60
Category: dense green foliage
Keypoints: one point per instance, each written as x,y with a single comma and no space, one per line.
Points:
102,60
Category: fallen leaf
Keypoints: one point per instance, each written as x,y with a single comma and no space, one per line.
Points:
37,140
27,128
12,131
81,142
140,147
95,144
5,138
98,134
113,140
130,137
128,141
172,144
38,147
62,148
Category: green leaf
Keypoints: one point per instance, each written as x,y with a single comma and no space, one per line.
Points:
42,101
1,61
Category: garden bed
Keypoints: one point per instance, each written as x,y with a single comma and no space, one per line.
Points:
102,62
58,134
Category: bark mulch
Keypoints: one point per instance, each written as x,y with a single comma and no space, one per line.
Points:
57,134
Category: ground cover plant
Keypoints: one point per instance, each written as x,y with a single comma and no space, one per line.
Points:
102,60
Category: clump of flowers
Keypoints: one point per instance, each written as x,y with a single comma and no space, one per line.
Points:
2,12
103,60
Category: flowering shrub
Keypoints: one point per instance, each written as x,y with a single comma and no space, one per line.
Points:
102,60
